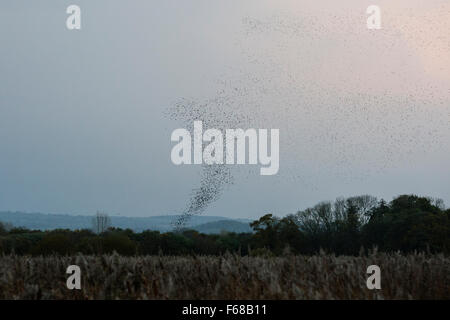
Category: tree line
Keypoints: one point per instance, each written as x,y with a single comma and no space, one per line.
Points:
347,226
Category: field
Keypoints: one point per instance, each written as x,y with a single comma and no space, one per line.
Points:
417,276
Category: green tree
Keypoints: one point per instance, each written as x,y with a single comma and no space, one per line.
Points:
120,243
54,243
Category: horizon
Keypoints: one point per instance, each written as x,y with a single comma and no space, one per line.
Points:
118,215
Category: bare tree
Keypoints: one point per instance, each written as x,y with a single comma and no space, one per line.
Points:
325,214
101,222
438,202
363,204
5,227
315,219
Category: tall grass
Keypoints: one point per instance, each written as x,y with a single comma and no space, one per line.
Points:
415,276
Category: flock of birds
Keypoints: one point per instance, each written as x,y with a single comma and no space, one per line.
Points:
301,74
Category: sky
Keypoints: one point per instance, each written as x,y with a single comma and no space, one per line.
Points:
86,115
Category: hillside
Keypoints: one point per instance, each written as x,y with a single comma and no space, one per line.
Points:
216,227
41,221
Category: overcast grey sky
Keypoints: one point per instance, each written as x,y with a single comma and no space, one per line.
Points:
84,122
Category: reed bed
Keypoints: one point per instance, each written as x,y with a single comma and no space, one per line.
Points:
414,276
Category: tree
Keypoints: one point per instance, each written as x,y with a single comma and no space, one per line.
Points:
290,235
363,205
2,229
101,222
408,223
119,243
346,235
5,227
266,231
54,243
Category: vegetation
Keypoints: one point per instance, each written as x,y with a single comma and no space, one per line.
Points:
344,227
283,258
415,276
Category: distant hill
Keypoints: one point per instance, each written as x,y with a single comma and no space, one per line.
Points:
42,221
224,225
